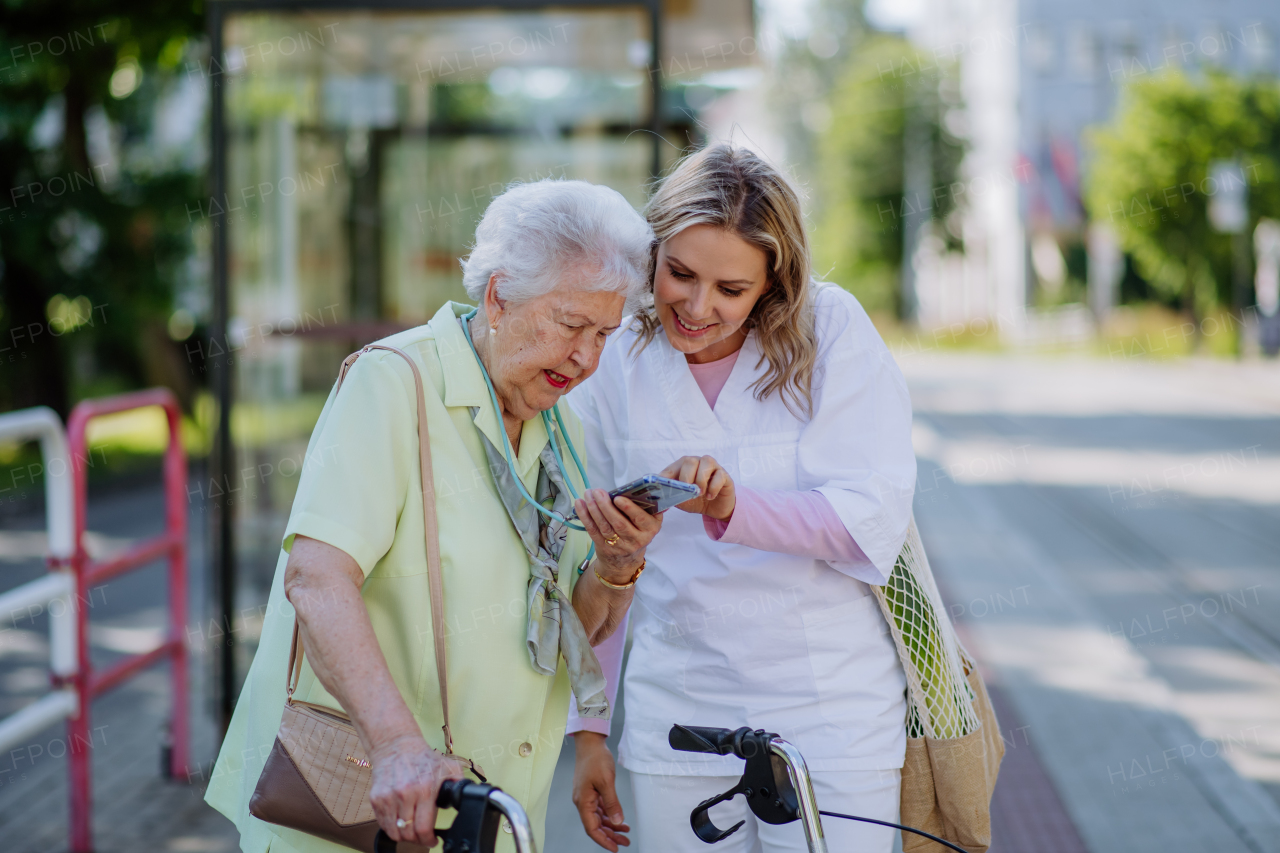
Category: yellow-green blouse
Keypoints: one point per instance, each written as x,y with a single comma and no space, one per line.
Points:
359,492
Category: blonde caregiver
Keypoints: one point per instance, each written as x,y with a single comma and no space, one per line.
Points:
776,394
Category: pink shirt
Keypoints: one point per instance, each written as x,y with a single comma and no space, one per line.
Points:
788,522
712,376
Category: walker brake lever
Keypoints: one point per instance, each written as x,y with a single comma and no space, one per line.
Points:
765,781
701,821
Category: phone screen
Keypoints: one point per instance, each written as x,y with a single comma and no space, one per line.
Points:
654,494
657,494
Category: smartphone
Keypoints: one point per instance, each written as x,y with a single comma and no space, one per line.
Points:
655,494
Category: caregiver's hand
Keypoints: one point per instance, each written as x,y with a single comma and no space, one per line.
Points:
717,499
621,531
595,794
407,775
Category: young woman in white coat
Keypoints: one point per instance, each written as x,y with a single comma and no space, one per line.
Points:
775,394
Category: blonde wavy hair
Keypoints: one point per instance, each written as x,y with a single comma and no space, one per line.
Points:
734,189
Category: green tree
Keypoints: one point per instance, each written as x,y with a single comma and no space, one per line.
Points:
859,235
94,229
805,72
1151,177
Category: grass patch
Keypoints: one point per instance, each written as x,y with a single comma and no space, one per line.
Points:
1155,332
978,335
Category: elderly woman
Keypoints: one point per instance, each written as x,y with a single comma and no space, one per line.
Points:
553,264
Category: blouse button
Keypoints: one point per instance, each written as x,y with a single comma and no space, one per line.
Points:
526,749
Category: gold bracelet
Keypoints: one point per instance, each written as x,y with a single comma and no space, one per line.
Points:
626,585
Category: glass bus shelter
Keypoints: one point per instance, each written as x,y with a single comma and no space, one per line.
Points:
355,146
354,150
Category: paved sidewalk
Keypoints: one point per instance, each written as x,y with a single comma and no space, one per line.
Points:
135,809
1026,812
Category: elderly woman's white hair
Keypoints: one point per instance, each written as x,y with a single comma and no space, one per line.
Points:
534,232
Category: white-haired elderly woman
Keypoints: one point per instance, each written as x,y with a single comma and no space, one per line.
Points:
553,264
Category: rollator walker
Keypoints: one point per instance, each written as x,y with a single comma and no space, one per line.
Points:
481,808
775,783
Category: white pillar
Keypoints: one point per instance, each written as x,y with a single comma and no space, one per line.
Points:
1106,267
983,37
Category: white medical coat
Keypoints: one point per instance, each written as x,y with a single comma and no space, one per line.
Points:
725,635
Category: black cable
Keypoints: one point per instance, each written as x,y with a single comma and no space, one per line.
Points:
896,826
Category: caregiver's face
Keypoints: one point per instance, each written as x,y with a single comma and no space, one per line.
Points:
549,344
706,283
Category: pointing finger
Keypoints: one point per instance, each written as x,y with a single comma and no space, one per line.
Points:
719,481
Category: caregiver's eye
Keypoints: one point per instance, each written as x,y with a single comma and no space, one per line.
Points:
729,291
683,276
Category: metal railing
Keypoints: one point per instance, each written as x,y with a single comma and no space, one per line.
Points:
171,544
53,593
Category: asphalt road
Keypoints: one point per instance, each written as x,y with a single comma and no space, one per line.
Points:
1108,535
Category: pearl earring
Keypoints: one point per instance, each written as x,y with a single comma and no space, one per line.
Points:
493,330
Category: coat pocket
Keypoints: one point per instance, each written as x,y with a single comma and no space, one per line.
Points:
855,665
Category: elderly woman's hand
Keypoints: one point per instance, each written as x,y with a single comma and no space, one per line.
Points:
718,498
621,531
407,775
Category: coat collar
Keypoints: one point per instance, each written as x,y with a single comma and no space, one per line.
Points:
686,398
464,386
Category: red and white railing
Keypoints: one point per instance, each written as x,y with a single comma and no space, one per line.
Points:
65,591
172,545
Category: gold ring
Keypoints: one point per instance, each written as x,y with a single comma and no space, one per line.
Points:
613,540
401,823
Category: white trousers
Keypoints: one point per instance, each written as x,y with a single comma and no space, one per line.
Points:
663,804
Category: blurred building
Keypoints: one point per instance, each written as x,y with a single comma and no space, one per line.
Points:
1034,75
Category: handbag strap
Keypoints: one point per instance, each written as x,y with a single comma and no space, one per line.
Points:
431,531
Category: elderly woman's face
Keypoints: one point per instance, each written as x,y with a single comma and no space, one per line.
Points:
548,345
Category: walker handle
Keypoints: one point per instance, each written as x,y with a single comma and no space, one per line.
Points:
480,809
703,739
775,781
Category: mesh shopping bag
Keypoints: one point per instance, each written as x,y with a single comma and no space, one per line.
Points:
953,740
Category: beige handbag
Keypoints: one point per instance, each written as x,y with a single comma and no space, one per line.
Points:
954,746
317,776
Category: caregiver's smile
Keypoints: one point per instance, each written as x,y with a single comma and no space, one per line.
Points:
690,330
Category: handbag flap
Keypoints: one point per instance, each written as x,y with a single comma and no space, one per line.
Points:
328,753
